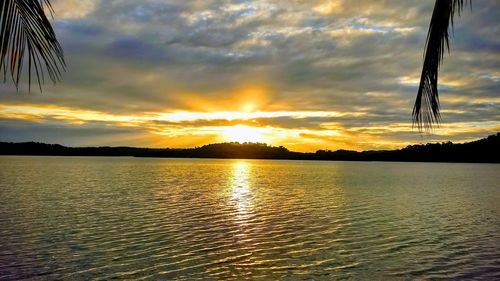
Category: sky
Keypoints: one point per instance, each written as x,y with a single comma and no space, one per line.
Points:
304,74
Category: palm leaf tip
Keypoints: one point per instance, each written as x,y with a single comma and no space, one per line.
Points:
426,108
28,37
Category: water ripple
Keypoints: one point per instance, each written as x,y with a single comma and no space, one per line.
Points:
157,219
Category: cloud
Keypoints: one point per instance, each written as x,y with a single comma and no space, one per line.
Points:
363,59
329,7
74,9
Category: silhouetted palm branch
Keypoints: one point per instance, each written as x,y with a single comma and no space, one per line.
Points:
426,108
26,31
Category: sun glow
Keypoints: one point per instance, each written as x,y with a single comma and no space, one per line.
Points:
329,7
240,186
242,133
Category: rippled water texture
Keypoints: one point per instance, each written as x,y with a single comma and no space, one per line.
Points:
161,219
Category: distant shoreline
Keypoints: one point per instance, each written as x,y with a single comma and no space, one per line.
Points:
273,159
485,150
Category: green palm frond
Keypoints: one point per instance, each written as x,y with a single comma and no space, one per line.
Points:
426,108
27,37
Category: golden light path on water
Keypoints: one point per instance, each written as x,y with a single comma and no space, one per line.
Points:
64,218
241,191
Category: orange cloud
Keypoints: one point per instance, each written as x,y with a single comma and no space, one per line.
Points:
188,128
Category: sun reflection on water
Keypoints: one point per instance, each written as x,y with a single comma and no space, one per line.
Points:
241,194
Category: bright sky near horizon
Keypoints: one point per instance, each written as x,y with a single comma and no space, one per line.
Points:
308,75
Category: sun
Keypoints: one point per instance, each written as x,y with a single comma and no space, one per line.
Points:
242,133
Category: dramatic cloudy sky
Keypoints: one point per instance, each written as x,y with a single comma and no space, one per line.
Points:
303,74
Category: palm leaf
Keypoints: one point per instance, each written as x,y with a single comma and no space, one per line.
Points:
426,108
27,36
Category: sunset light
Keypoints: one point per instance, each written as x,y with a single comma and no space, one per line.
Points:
326,74
249,140
241,133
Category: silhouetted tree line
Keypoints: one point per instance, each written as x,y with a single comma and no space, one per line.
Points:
486,150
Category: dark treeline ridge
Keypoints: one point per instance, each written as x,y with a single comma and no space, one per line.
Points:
486,150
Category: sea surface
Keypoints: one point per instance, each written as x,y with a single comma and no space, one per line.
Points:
84,218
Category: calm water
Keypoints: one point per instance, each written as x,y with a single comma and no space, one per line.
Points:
160,219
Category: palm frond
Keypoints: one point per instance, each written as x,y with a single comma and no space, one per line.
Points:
426,108
27,36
